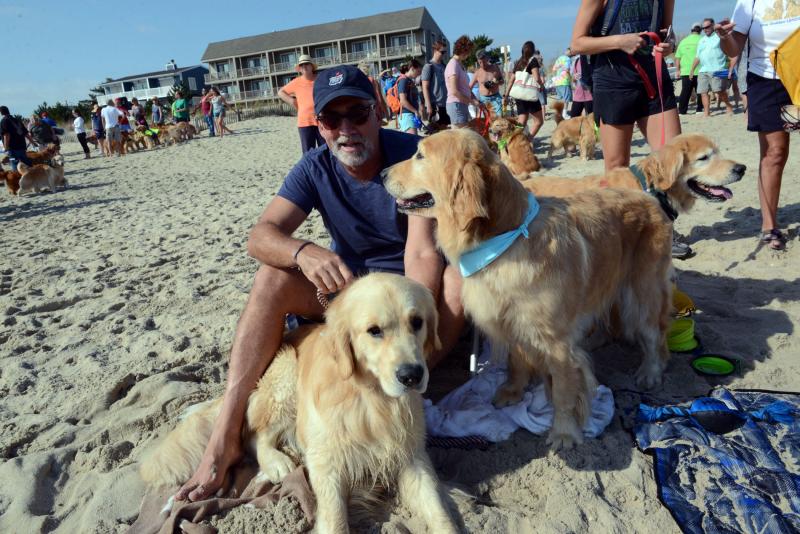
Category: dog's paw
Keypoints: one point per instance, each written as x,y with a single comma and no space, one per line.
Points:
565,434
507,395
273,467
648,377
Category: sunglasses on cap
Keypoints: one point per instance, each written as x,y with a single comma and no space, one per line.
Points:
357,115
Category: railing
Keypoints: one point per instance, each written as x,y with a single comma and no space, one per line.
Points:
327,60
355,57
394,51
282,67
217,76
253,71
159,92
261,94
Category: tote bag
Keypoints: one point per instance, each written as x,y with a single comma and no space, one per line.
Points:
525,86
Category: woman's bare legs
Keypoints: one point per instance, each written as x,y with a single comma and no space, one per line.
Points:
774,153
651,127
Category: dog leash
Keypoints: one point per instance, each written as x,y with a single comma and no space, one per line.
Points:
323,300
648,85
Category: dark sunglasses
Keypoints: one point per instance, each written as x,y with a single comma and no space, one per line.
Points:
357,115
707,27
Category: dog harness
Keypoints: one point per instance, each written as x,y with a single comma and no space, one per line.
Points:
485,253
659,195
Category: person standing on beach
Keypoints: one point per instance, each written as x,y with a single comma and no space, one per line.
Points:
15,138
299,94
459,96
488,78
712,63
341,180
180,108
624,73
99,131
526,109
581,92
156,113
408,94
562,80
765,25
111,117
684,64
218,105
79,125
45,118
205,109
434,90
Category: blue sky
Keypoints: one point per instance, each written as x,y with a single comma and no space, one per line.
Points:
56,50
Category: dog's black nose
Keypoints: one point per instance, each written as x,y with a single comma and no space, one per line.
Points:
410,374
739,169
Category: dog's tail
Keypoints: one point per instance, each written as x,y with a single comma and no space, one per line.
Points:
558,107
22,168
175,459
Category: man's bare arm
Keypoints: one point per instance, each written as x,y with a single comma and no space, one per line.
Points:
271,243
422,260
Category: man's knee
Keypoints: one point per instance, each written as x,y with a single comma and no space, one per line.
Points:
274,283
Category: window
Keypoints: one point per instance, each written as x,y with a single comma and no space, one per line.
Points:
397,41
360,46
253,62
287,57
222,67
192,84
326,51
139,84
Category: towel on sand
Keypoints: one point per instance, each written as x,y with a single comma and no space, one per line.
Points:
245,489
728,462
468,410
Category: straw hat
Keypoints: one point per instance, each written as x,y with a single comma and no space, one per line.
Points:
305,58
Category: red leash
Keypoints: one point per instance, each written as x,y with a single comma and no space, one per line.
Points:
648,85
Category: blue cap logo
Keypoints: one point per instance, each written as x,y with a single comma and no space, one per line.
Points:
336,79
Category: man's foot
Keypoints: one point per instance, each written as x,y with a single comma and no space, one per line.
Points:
221,453
680,250
774,239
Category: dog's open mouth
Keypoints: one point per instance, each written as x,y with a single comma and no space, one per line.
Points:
425,200
712,193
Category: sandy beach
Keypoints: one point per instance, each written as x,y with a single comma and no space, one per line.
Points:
119,298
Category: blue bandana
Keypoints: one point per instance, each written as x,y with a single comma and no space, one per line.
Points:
479,257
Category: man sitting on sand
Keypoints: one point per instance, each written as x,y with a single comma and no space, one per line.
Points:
343,182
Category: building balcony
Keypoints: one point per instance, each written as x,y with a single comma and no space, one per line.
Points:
401,51
253,71
141,94
247,96
212,76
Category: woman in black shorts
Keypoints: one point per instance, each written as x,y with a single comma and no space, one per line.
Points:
526,108
620,93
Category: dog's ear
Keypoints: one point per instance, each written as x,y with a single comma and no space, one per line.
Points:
469,194
341,343
663,168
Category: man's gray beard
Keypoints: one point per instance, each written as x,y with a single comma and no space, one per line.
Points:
353,160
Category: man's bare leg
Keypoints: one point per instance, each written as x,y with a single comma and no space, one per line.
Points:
451,314
275,293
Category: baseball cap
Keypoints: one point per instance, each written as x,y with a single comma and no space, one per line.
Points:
697,26
344,80
480,54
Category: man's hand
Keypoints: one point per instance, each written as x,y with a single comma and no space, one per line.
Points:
429,108
725,28
324,269
664,47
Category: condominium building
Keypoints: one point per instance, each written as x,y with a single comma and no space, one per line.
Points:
254,68
158,84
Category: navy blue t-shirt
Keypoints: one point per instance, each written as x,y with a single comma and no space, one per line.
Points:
366,229
407,86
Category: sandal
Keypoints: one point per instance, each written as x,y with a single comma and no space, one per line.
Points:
774,238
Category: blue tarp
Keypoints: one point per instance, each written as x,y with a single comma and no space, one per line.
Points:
744,480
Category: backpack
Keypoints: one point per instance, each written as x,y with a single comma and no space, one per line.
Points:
393,96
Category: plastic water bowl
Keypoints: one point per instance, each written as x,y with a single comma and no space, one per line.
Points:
681,335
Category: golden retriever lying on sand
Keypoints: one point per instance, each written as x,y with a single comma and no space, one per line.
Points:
584,255
687,168
348,394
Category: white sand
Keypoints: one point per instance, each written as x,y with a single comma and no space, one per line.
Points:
119,298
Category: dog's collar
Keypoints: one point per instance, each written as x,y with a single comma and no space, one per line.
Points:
485,253
502,143
659,195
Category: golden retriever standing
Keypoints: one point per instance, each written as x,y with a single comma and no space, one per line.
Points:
583,256
348,394
685,169
40,177
575,132
514,147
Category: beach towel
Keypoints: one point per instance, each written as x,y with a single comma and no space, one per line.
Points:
727,463
245,489
468,410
